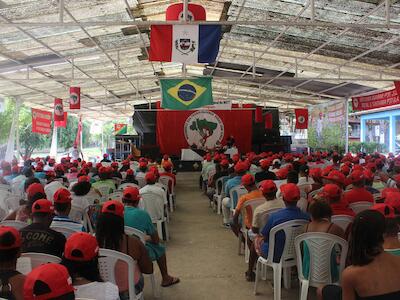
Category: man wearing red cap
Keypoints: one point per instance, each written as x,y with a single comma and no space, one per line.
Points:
254,193
105,158
358,193
221,170
62,205
105,181
38,237
334,195
11,281
153,205
167,166
240,169
291,194
209,167
265,173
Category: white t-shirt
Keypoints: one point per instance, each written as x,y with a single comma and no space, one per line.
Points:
97,290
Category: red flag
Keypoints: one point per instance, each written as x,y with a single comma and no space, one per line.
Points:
268,121
397,85
62,123
41,121
78,134
259,115
58,110
301,118
74,97
195,12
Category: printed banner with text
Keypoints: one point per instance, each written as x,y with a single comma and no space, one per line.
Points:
41,121
383,99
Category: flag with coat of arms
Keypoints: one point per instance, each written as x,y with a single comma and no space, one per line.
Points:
186,94
301,118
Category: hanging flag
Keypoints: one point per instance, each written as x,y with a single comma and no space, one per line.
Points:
301,118
184,94
268,121
397,86
258,115
74,97
62,123
120,128
41,121
58,110
195,12
189,44
78,134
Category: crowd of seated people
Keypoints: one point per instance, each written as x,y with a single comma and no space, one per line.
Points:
319,188
67,210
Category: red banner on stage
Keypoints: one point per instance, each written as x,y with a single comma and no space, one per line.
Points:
62,123
301,118
195,12
41,121
178,130
378,100
58,110
258,115
268,121
74,97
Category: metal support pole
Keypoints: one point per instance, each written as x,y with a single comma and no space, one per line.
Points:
254,64
312,7
346,107
73,68
118,64
185,18
61,11
11,138
296,73
387,12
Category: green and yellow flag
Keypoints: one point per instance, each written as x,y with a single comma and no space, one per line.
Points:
186,94
120,129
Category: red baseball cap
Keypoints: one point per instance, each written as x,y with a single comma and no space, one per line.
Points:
265,164
345,169
393,199
336,177
368,174
126,163
103,170
50,174
315,172
131,193
386,210
62,195
282,173
143,164
290,192
268,186
248,179
166,157
326,170
42,206
114,164
99,165
9,238
83,178
39,168
167,165
240,167
357,176
47,281
150,177
81,246
114,207
129,172
397,178
34,189
224,163
331,192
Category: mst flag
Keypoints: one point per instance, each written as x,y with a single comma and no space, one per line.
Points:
74,97
189,44
301,118
195,12
120,128
184,94
62,123
58,110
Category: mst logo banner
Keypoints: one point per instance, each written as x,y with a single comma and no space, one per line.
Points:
204,129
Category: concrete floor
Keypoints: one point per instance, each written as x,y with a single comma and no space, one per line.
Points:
203,254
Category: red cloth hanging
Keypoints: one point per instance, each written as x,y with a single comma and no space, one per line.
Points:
58,110
62,123
301,118
74,97
258,115
268,121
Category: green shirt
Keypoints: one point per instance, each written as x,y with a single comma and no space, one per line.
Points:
139,219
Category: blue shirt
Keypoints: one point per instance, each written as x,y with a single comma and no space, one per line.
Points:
40,175
66,222
230,184
139,219
276,218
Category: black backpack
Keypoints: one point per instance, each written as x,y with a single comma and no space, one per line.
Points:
5,286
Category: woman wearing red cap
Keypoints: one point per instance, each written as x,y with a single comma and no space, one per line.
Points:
110,234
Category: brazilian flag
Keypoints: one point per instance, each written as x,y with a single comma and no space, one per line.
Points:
185,94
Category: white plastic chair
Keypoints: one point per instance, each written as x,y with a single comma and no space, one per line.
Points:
117,195
107,261
360,206
104,191
157,214
65,231
291,229
219,188
125,185
142,236
5,187
253,203
343,221
141,181
239,191
37,259
76,213
15,224
320,246
169,183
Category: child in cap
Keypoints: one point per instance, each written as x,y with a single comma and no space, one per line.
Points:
81,258
49,281
130,177
11,281
110,234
